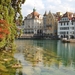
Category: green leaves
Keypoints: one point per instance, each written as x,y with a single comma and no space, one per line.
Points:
2,43
10,10
3,68
1,17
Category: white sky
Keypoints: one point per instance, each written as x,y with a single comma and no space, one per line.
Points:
48,5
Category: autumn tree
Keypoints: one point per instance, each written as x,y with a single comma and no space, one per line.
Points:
10,10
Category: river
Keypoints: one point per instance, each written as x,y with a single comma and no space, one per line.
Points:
46,57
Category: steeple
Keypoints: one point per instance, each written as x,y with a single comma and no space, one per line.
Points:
34,10
50,12
35,14
45,14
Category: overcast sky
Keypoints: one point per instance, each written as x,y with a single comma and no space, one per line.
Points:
48,5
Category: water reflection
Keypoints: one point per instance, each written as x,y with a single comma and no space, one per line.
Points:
67,52
46,57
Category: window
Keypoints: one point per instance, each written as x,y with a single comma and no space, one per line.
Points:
67,32
61,24
64,23
63,19
72,27
68,28
72,23
64,28
67,23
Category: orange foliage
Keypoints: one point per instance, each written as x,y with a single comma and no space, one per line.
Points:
6,31
1,36
4,22
3,29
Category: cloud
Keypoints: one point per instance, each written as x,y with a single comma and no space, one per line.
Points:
60,6
54,1
70,0
30,4
48,5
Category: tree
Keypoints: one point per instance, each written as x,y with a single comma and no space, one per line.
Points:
8,14
10,10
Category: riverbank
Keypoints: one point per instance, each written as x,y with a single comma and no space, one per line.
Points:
6,61
38,36
65,40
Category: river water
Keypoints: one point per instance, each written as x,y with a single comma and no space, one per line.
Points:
46,57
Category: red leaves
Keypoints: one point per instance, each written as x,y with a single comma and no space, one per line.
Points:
4,22
1,36
3,29
6,31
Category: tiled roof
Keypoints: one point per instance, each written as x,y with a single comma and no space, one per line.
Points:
73,18
35,14
68,14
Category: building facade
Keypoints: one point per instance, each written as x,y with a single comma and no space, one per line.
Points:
50,24
66,26
33,23
44,23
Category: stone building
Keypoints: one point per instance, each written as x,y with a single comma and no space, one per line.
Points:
50,24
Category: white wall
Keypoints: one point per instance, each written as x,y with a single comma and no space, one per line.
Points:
67,32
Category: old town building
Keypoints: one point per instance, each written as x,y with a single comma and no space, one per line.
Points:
33,23
44,22
66,26
50,24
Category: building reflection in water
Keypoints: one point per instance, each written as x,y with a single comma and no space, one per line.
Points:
47,52
47,57
67,52
41,53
